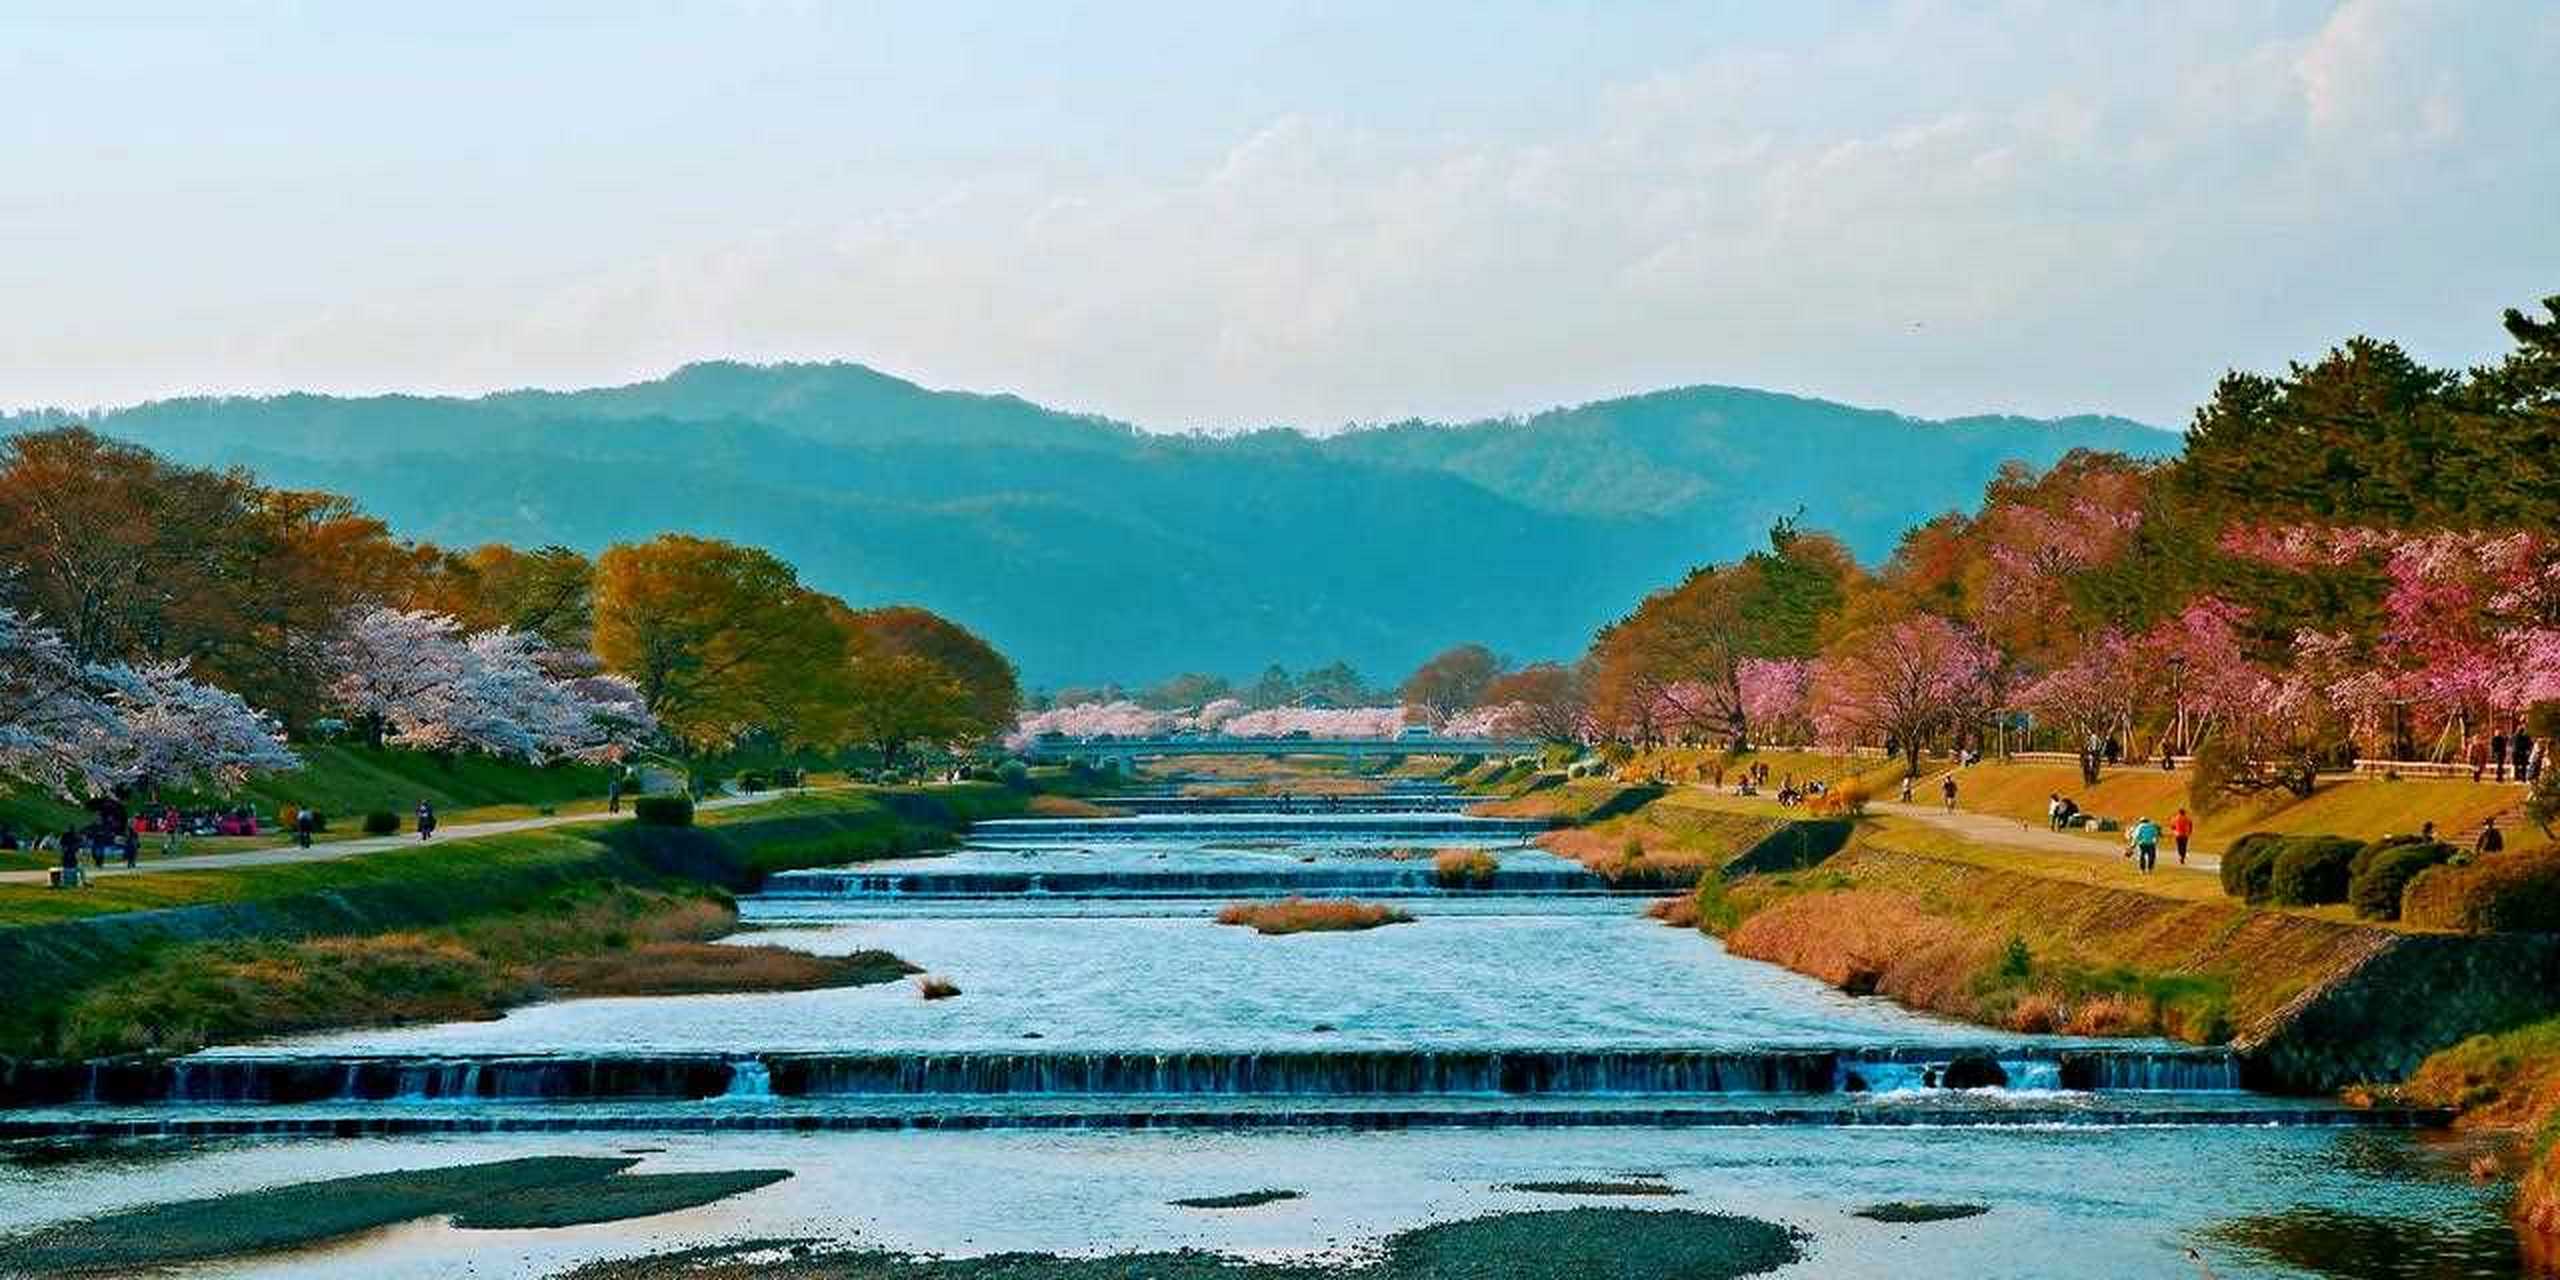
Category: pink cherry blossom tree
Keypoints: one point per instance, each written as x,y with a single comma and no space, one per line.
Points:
2097,694
1777,696
170,730
1904,682
52,715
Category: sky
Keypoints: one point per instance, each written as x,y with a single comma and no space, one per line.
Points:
1222,215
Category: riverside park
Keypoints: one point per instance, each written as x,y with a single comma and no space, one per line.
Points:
1290,641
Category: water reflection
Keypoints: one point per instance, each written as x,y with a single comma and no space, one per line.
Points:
2347,1245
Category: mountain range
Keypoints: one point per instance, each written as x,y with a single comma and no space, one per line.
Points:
1091,550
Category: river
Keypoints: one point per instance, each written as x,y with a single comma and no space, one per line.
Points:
1113,1050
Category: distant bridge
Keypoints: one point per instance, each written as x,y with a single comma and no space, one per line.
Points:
1127,751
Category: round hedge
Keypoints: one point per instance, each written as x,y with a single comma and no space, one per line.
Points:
381,822
2499,893
2248,863
664,811
2382,872
2311,871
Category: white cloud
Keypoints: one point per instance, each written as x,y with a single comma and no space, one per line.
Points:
2031,207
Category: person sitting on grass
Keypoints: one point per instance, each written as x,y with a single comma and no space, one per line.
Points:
2489,841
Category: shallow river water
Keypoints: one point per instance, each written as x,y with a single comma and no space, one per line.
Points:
1113,1049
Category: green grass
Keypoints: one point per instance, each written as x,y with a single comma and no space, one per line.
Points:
281,1217
391,895
344,782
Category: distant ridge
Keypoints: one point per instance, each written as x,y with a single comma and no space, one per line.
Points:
1091,550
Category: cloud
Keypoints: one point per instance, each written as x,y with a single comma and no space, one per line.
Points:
1950,208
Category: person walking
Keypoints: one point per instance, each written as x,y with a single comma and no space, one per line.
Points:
2146,844
2479,757
2488,841
2498,756
2521,749
426,820
1906,788
70,857
2180,828
132,844
613,793
1947,789
304,823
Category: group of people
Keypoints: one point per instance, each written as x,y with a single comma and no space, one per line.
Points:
2142,839
99,840
2502,757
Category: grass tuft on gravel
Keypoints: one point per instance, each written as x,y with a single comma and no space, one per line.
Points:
634,1195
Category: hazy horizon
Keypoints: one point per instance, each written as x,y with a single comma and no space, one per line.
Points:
1311,213
1153,428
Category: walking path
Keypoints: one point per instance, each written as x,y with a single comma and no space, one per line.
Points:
274,855
1992,828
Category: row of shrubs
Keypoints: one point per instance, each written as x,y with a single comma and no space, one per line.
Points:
2317,870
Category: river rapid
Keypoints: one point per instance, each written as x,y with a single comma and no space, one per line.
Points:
1113,1050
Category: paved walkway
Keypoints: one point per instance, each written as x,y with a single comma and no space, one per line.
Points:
274,855
1993,828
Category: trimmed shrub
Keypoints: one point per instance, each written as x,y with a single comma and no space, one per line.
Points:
2503,893
2383,870
1015,775
2375,850
2248,864
2312,870
381,822
664,811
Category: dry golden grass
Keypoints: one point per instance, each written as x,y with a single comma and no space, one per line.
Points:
1310,915
1928,928
1679,912
694,968
936,987
1464,868
2363,808
1046,805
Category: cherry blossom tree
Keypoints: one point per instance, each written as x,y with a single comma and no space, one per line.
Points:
52,715
2097,694
1321,722
385,663
170,730
1777,695
1119,719
1903,681
415,680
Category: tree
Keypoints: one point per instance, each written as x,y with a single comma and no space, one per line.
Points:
385,663
1190,689
992,695
720,640
1542,700
547,592
1776,695
1453,680
895,700
51,714
170,731
1272,688
1336,682
2096,695
1903,682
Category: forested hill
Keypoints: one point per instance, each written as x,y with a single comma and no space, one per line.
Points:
1090,550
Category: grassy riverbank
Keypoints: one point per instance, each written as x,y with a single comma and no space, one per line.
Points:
2040,939
171,961
345,782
